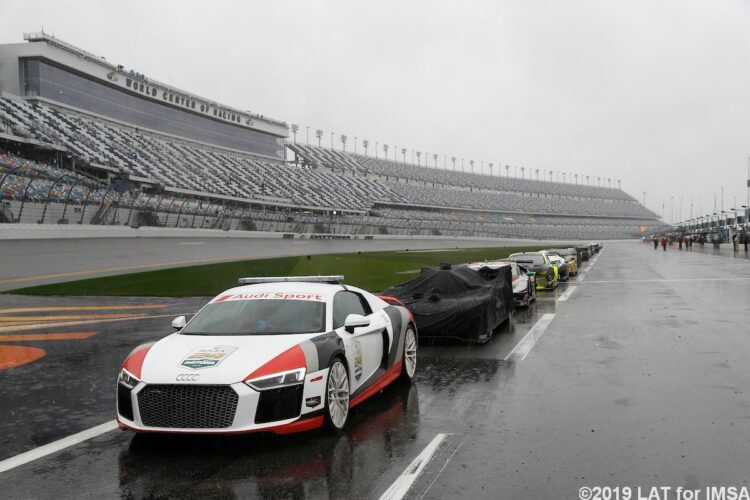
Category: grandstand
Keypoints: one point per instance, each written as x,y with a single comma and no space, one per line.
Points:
88,142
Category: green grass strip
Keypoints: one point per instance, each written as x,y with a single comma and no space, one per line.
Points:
374,271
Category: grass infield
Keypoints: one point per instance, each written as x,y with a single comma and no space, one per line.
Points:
374,271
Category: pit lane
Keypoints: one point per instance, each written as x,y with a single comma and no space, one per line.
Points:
639,379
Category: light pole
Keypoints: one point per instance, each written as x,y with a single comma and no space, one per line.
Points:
331,140
523,170
551,174
587,180
319,135
419,156
453,160
343,142
307,136
385,151
365,144
355,144
507,171
403,154
462,164
295,128
490,165
576,176
434,159
471,164
376,148
671,209
563,177
537,174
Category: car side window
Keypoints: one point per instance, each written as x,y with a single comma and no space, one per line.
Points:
346,303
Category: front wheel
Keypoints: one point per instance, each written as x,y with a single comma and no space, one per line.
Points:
410,355
337,396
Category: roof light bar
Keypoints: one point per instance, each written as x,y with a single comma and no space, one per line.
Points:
332,280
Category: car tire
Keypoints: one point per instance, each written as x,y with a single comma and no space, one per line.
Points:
409,366
337,396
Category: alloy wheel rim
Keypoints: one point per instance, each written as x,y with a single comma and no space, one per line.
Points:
338,395
410,353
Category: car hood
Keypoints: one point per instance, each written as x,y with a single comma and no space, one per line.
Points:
215,359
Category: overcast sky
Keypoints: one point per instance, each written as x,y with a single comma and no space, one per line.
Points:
653,92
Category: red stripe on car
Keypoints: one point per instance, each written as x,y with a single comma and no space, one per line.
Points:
134,363
288,360
381,383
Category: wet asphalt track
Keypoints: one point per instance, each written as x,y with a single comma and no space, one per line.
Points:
641,379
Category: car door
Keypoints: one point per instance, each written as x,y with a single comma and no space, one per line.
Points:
364,345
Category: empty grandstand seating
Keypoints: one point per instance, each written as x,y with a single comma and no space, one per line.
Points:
188,165
391,197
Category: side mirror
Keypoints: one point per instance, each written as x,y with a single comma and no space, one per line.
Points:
179,323
355,320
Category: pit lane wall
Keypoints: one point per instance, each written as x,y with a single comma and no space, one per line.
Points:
63,231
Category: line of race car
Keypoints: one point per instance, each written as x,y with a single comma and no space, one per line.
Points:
292,354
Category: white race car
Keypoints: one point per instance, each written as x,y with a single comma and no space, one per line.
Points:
524,282
277,354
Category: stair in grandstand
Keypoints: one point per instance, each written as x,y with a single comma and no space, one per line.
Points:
102,215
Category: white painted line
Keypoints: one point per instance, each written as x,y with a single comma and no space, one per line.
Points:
192,243
566,294
447,461
55,446
527,343
405,481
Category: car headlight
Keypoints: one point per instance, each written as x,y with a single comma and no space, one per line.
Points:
127,379
283,379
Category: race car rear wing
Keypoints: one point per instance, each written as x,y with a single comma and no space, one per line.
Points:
331,280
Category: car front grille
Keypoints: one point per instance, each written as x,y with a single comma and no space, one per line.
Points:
187,406
124,404
279,404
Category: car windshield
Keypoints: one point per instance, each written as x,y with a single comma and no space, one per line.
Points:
532,259
258,317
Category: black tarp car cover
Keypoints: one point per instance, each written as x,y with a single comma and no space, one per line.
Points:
457,302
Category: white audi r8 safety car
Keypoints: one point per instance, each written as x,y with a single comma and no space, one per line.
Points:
276,354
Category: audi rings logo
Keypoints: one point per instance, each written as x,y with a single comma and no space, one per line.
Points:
188,377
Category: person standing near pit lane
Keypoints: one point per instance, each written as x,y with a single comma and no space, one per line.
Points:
656,241
664,242
702,240
679,242
735,243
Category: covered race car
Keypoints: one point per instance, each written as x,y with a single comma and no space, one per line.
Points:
540,265
278,354
524,282
584,252
458,302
